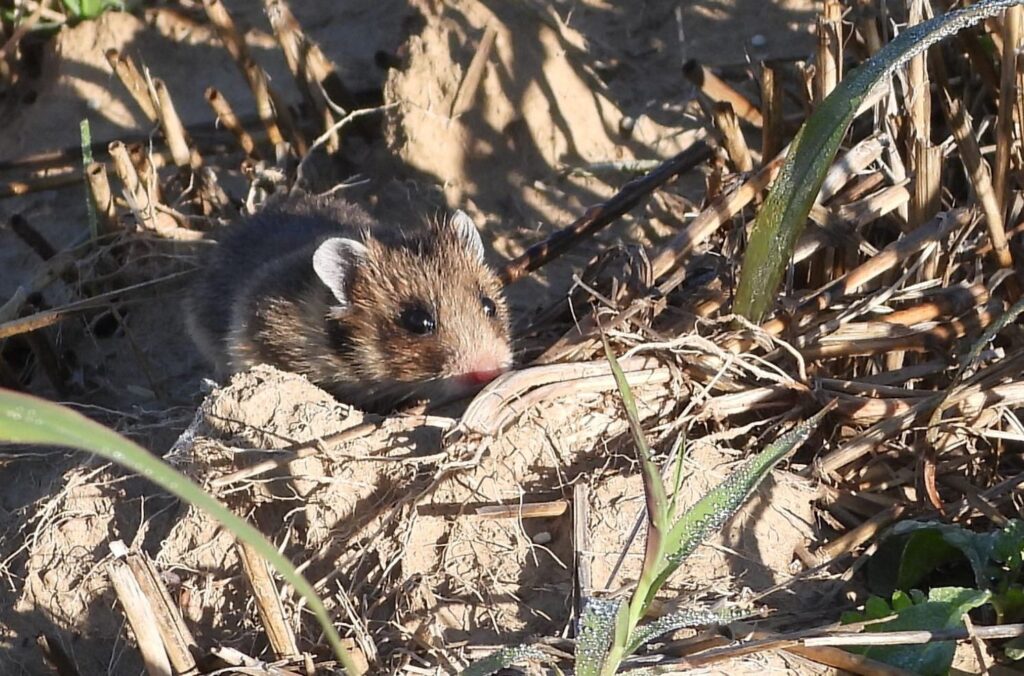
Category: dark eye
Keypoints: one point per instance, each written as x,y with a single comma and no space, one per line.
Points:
490,309
418,320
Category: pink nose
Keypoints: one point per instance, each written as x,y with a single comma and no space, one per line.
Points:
481,377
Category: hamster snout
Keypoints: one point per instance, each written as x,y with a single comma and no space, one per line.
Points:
488,361
376,315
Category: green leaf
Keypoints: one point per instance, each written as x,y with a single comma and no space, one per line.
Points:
657,509
85,134
923,552
900,601
654,489
995,558
29,420
1014,649
1009,604
679,453
943,609
784,213
987,335
876,608
594,638
503,659
665,549
1009,546
699,617
79,10
711,512
850,617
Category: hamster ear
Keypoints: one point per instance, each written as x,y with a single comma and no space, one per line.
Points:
335,262
466,230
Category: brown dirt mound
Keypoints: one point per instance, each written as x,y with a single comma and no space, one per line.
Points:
362,521
441,565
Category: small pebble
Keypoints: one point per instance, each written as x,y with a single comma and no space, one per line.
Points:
626,125
758,40
542,538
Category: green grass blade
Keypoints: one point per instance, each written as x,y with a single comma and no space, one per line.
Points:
73,7
29,420
785,210
85,133
80,10
714,509
597,628
697,617
503,659
679,453
654,490
658,520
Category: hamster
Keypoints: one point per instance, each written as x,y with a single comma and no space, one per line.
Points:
371,313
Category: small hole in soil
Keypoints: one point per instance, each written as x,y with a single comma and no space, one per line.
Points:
30,97
105,325
18,358
386,60
413,23
32,54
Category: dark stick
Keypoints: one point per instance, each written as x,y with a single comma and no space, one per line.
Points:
213,139
600,215
49,361
55,655
30,236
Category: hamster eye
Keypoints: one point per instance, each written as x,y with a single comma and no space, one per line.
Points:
417,320
490,309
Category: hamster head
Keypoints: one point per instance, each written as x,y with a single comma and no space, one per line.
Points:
414,317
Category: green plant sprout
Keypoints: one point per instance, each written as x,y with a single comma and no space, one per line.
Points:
610,629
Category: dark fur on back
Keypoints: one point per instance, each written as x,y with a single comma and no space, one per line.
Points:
275,231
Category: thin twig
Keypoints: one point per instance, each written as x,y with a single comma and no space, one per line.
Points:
598,216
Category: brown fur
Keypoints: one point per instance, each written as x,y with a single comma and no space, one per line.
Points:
260,300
